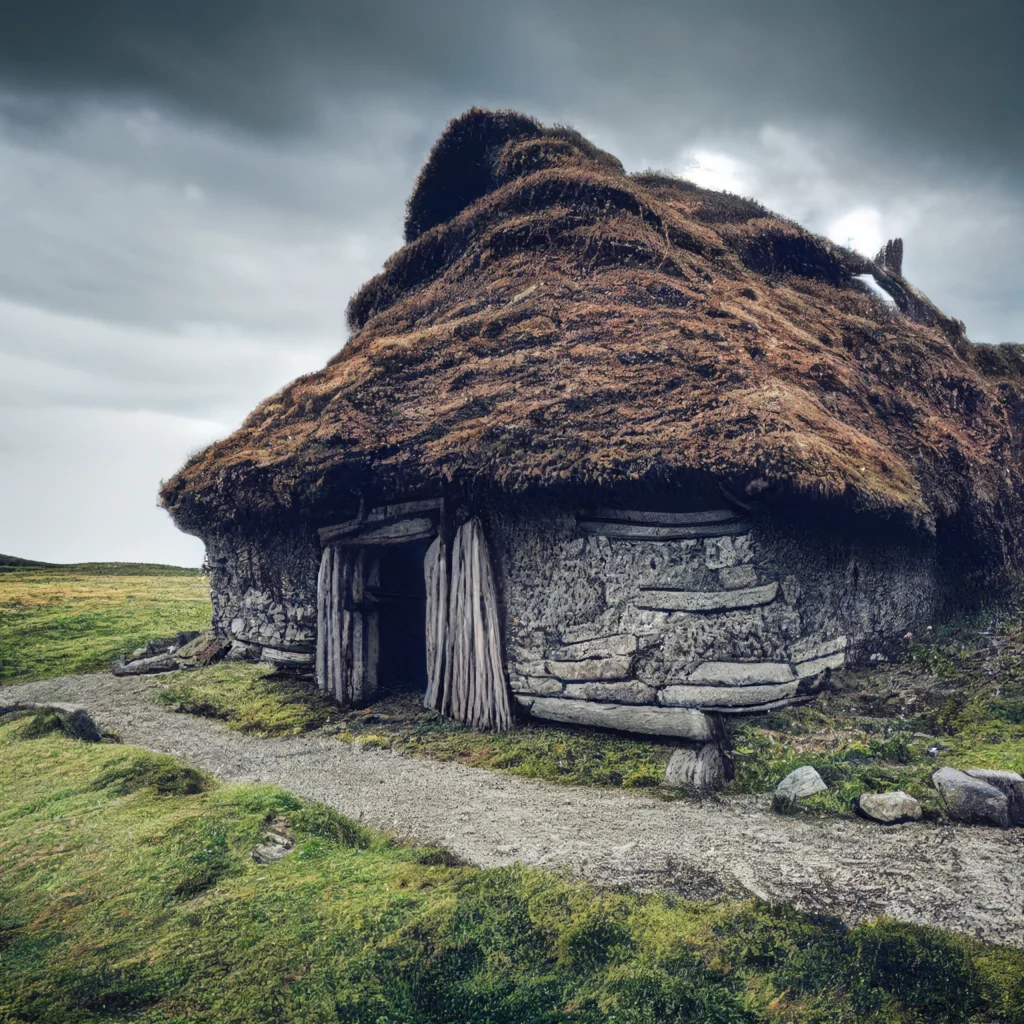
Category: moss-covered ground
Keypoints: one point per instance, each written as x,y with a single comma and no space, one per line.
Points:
130,894
955,699
60,620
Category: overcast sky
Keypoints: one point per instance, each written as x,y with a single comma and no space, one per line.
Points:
190,191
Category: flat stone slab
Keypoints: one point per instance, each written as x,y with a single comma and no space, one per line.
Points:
278,657
598,647
538,686
686,723
814,667
725,696
592,669
742,673
707,600
808,648
889,808
627,692
971,800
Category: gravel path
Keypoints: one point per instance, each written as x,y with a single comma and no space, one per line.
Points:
967,879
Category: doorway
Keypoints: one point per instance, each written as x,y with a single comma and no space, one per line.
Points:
398,592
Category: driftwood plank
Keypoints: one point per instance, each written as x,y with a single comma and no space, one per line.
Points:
620,515
643,531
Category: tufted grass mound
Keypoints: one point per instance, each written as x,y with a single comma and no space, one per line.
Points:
131,903
62,620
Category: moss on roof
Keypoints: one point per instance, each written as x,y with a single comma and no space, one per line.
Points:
553,323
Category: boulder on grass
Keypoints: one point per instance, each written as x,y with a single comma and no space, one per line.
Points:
699,769
800,783
1010,784
889,808
971,800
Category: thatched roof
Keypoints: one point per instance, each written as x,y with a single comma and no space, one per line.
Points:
554,323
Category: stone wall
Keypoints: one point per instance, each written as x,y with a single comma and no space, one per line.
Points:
263,587
749,618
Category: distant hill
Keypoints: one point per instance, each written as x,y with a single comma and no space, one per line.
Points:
11,563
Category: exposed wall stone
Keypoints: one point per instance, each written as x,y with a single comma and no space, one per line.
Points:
744,620
263,588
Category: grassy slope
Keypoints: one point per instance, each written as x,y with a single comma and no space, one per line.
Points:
77,618
130,894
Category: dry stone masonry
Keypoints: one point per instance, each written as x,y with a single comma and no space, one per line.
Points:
705,610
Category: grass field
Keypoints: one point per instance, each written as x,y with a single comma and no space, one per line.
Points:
56,620
130,894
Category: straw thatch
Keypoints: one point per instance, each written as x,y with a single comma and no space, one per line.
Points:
554,323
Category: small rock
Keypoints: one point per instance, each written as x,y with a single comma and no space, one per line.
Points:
1010,784
241,651
700,770
205,649
146,666
889,808
801,782
971,800
278,842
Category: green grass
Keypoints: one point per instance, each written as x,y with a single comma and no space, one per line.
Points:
66,619
130,894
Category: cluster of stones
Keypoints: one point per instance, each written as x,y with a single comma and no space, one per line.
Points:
974,797
183,651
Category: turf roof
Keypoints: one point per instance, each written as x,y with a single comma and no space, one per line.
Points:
553,324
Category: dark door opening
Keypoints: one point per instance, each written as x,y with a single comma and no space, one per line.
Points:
401,604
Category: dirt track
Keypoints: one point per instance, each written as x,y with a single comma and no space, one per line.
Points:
968,879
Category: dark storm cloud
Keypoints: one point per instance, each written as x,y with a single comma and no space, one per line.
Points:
941,78
190,190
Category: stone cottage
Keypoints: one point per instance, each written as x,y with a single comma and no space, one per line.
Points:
610,449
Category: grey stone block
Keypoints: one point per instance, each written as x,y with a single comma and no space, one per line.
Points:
741,673
971,800
685,723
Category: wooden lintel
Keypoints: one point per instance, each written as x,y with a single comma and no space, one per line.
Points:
620,515
644,531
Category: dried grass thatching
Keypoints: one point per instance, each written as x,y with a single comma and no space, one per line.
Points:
553,323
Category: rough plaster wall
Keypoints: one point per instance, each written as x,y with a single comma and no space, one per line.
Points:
263,587
811,600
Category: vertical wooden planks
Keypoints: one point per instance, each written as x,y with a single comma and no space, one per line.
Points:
471,679
435,571
323,600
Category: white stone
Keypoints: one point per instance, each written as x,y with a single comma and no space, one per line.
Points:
889,808
799,783
708,600
742,673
